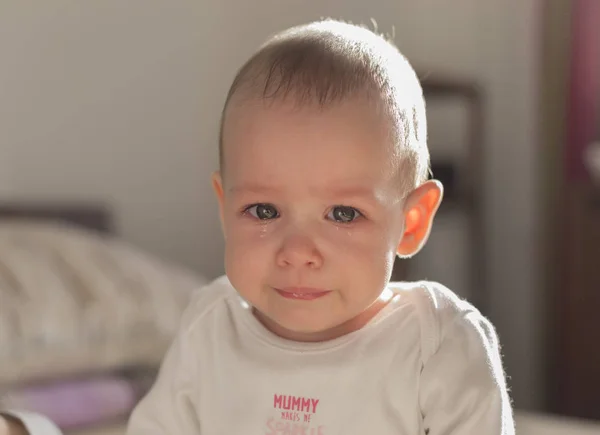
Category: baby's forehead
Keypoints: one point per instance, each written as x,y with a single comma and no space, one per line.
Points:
358,110
291,147
344,125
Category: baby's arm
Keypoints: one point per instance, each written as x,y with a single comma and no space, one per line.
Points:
169,408
11,426
26,423
463,387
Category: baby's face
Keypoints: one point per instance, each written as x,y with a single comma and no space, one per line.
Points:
312,214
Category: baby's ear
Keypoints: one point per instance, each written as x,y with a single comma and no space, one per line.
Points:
217,185
419,211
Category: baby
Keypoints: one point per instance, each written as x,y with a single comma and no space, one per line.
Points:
323,181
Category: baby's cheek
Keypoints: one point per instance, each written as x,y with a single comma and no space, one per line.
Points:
245,253
370,252
361,241
243,268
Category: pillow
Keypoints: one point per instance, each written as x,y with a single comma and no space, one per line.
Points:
73,301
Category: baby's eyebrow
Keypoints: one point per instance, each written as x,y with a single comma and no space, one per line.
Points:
253,188
330,193
361,193
351,191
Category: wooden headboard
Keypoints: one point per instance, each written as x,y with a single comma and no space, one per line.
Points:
95,217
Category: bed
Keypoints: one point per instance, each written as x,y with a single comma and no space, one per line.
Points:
84,315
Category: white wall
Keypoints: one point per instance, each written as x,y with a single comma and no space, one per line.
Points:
119,101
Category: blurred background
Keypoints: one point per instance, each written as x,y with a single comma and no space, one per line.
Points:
109,116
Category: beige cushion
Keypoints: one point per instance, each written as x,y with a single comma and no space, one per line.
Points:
72,301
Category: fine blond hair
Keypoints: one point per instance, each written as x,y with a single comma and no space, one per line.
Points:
327,61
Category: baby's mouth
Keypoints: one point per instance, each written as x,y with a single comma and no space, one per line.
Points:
302,293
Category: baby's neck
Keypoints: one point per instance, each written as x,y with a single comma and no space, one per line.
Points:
338,331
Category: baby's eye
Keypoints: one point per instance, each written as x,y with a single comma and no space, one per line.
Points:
263,211
343,214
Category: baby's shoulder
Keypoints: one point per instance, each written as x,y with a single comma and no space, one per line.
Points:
433,299
442,314
205,301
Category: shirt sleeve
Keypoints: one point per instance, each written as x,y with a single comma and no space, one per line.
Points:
35,424
463,388
169,407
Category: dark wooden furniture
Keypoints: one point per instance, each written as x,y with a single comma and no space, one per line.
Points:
570,122
578,335
94,217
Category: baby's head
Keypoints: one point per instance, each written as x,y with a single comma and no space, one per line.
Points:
323,177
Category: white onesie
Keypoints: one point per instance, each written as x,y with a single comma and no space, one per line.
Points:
427,363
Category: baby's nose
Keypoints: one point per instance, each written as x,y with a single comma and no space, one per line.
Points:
299,250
